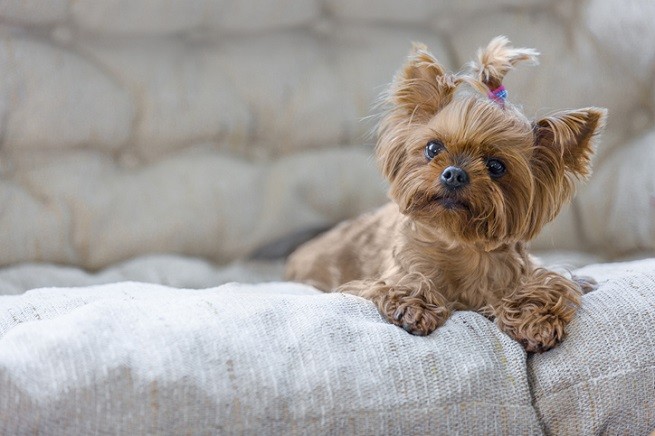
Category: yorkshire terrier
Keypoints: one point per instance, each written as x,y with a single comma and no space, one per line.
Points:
472,180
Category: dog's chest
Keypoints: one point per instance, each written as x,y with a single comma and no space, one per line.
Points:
474,281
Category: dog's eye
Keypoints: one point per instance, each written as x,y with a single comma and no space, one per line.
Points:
496,168
432,149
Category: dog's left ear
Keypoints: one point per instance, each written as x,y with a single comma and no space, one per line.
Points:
422,86
567,139
564,144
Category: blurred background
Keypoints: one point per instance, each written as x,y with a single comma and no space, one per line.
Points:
167,141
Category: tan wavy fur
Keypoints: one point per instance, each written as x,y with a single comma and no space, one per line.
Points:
457,240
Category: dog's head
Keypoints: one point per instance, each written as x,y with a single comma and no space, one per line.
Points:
470,163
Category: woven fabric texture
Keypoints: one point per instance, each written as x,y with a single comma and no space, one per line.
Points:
601,380
282,358
132,358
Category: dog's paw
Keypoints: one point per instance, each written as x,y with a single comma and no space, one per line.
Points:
537,313
586,283
419,309
539,335
415,316
538,329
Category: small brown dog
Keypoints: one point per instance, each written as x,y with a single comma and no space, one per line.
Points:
472,180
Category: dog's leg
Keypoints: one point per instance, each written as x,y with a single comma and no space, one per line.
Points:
411,302
537,312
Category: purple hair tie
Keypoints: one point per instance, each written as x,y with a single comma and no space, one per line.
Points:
499,95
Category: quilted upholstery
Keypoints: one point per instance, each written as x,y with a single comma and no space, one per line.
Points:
210,127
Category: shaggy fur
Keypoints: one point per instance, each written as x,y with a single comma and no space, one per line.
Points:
439,247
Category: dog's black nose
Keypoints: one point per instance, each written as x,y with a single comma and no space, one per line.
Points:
454,178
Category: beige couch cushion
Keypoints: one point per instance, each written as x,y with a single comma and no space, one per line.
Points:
277,358
600,380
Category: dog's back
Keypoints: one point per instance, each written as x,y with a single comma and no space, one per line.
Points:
353,250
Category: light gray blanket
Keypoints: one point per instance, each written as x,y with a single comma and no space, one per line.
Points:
281,358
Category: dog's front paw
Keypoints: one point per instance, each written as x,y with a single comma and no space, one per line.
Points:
537,313
418,310
414,315
537,332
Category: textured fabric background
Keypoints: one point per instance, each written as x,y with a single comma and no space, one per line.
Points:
176,271
601,380
210,127
280,358
283,358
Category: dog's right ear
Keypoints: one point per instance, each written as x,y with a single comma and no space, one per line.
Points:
422,86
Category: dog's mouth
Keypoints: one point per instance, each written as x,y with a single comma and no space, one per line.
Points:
431,203
450,203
